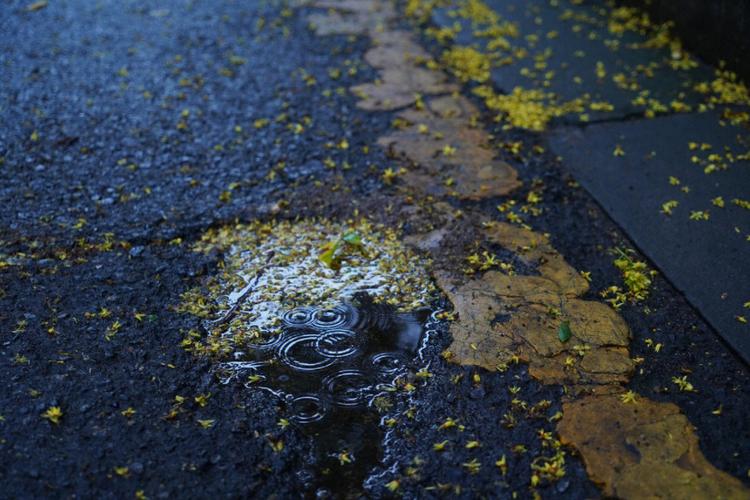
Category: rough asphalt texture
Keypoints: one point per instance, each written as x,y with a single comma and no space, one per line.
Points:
173,91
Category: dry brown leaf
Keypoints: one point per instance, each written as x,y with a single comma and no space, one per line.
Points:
394,48
645,449
535,248
502,315
451,156
399,87
401,80
351,17
360,7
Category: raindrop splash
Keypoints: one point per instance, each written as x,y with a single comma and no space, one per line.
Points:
336,356
346,388
337,343
298,352
329,366
308,408
299,317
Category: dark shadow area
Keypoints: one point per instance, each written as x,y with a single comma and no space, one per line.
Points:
716,30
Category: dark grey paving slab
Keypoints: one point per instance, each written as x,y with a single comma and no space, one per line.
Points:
708,260
585,57
718,30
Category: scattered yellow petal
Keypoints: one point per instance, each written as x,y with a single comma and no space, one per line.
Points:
345,458
449,422
33,7
699,215
122,471
502,464
439,446
207,424
667,207
449,150
683,384
277,446
202,399
472,467
53,414
388,175
628,397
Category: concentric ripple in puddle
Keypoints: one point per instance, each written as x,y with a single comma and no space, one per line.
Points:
328,365
278,318
339,357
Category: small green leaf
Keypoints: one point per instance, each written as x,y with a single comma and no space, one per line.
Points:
333,252
352,238
563,331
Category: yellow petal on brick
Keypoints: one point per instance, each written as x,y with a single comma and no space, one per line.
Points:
401,81
462,155
531,332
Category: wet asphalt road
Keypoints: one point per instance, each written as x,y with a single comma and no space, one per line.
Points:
94,97
129,128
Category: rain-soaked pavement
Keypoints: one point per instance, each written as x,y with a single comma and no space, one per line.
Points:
312,249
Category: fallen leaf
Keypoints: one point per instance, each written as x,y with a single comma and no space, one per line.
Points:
350,17
639,450
400,79
598,335
475,172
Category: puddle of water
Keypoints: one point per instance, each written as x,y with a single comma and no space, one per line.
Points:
322,340
327,365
